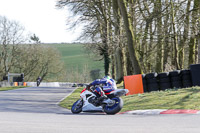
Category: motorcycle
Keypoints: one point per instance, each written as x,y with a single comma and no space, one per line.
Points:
38,82
89,102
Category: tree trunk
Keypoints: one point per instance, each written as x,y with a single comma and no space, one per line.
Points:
193,39
199,36
104,33
143,53
118,51
105,49
160,46
166,37
175,39
199,48
130,37
119,71
185,36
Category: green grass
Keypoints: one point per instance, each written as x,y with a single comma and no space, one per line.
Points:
68,102
11,88
187,98
76,58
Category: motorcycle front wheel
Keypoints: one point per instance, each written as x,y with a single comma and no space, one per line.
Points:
114,108
77,106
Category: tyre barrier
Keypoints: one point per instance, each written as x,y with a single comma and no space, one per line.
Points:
144,81
167,80
186,78
195,74
175,79
187,83
164,81
152,83
153,87
174,73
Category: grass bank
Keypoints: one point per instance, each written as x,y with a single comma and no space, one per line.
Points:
11,88
187,98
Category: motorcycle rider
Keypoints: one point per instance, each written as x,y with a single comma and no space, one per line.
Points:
106,86
38,80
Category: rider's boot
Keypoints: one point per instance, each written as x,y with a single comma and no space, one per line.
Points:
103,98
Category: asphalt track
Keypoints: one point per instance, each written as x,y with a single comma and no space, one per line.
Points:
35,110
34,100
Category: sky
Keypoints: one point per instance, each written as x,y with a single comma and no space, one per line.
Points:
42,18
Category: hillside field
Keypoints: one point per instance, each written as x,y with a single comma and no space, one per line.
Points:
76,58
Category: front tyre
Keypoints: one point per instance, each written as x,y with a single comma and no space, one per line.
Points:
77,106
114,108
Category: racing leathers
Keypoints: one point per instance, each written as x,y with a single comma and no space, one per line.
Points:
108,85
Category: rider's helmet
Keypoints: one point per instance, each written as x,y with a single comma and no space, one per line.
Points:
107,77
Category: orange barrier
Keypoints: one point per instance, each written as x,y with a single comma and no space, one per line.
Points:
15,83
24,84
134,84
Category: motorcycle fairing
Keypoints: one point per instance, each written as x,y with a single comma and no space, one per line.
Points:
88,107
91,108
119,92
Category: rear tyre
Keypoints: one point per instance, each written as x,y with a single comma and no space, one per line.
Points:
77,106
111,110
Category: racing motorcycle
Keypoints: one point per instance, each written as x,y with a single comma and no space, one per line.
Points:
38,82
89,102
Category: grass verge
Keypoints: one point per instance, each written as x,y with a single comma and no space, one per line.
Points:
11,88
68,101
187,98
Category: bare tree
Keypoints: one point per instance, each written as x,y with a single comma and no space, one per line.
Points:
145,36
31,59
11,35
39,60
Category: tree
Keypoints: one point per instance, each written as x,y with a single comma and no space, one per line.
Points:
130,36
160,44
35,39
11,35
160,34
185,35
39,60
175,37
31,59
95,13
194,30
118,50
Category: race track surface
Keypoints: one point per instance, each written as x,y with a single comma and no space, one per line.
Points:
34,100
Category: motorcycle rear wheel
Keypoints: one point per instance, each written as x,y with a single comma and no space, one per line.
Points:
77,106
111,110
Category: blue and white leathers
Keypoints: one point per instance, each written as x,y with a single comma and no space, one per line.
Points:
109,85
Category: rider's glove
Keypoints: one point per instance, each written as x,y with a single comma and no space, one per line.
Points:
96,82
